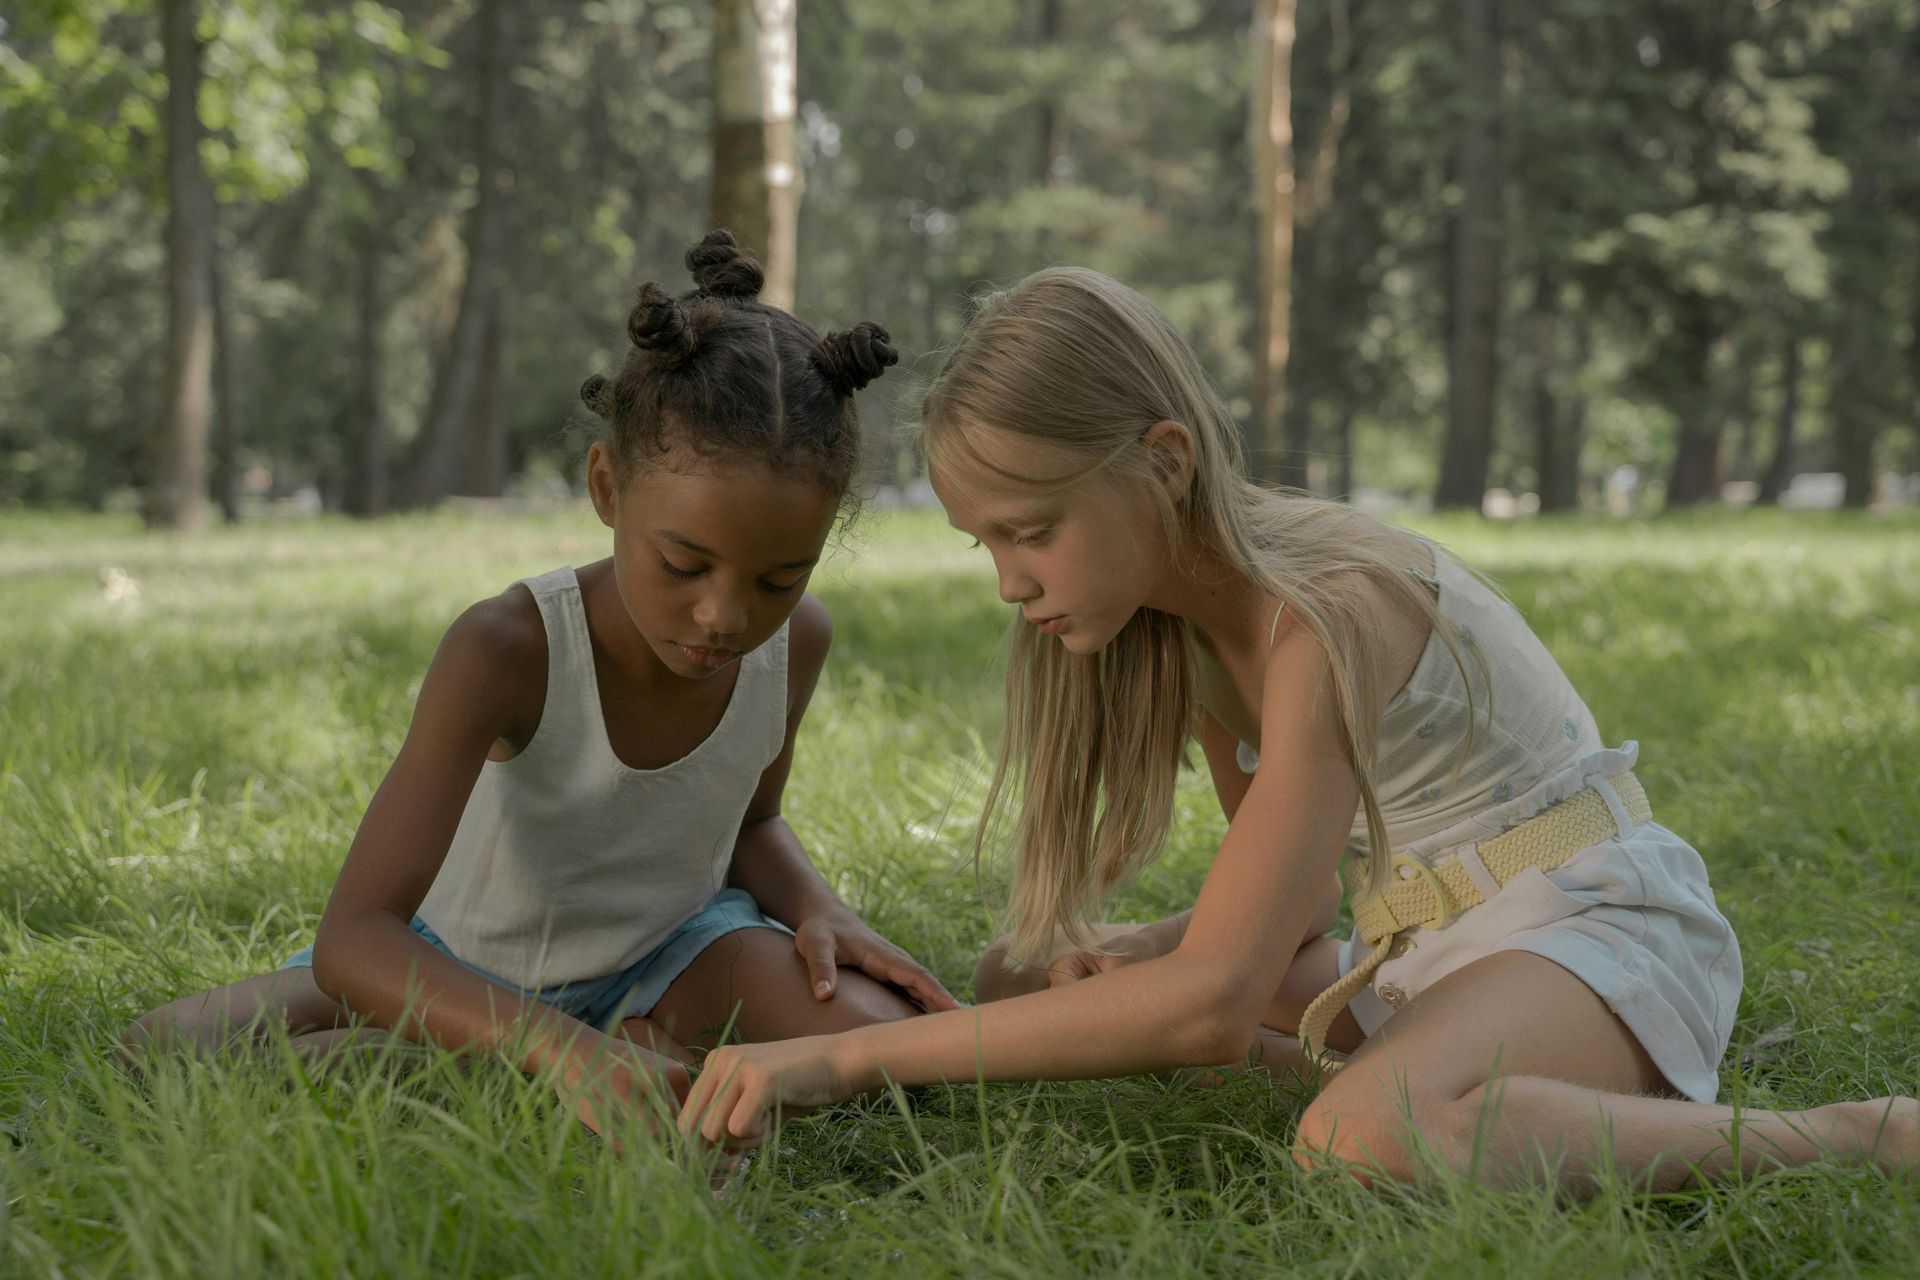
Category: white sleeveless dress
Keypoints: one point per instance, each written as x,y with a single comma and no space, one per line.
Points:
1632,916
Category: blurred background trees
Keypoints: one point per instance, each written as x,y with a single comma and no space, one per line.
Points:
1426,248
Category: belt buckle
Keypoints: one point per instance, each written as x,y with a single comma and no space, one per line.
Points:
1442,908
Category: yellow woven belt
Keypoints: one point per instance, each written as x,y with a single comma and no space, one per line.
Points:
1427,897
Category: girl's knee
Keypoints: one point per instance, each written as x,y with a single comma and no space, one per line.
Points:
990,974
1365,1142
871,1000
140,1036
993,980
1325,1139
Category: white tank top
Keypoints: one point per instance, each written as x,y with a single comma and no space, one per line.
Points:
1539,725
570,865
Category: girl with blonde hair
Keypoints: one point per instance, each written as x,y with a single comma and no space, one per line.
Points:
1538,972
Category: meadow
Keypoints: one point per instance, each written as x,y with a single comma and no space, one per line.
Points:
190,728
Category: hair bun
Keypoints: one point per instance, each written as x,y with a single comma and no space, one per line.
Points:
720,267
597,394
852,358
658,323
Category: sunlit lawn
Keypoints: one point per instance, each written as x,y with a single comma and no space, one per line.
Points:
189,729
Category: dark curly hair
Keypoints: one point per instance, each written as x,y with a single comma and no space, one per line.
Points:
719,372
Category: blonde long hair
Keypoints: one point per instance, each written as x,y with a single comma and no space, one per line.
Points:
1075,359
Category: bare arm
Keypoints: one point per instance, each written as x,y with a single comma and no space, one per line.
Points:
1230,783
1199,1004
770,863
487,683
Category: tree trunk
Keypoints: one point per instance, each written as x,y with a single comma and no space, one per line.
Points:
367,483
756,182
226,400
1316,183
1479,235
1046,171
177,496
1550,467
1695,477
1276,456
1855,424
452,410
1574,439
1344,445
1746,441
1556,451
1865,361
1913,366
486,456
1780,467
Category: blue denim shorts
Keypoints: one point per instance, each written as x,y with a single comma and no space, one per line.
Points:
605,1002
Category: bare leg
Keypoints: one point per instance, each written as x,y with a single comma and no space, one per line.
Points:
754,980
1315,967
239,1013
1466,1073
329,1047
242,1014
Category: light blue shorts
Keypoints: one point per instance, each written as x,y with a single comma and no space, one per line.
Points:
605,1002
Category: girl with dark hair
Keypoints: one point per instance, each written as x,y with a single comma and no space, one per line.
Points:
578,857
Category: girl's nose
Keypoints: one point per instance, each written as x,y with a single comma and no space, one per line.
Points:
1016,586
721,614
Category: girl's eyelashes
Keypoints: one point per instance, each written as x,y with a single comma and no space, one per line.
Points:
771,588
1037,537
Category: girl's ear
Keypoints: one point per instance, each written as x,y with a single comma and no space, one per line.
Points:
1169,446
603,482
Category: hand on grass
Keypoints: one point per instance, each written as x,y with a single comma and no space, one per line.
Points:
742,1086
611,1079
836,936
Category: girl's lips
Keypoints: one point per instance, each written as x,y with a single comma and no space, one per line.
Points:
706,657
1052,626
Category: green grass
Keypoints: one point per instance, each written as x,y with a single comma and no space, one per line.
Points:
181,771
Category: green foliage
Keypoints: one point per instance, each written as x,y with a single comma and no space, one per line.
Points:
81,94
1690,182
80,88
191,727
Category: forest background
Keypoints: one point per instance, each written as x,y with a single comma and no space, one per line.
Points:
1578,252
